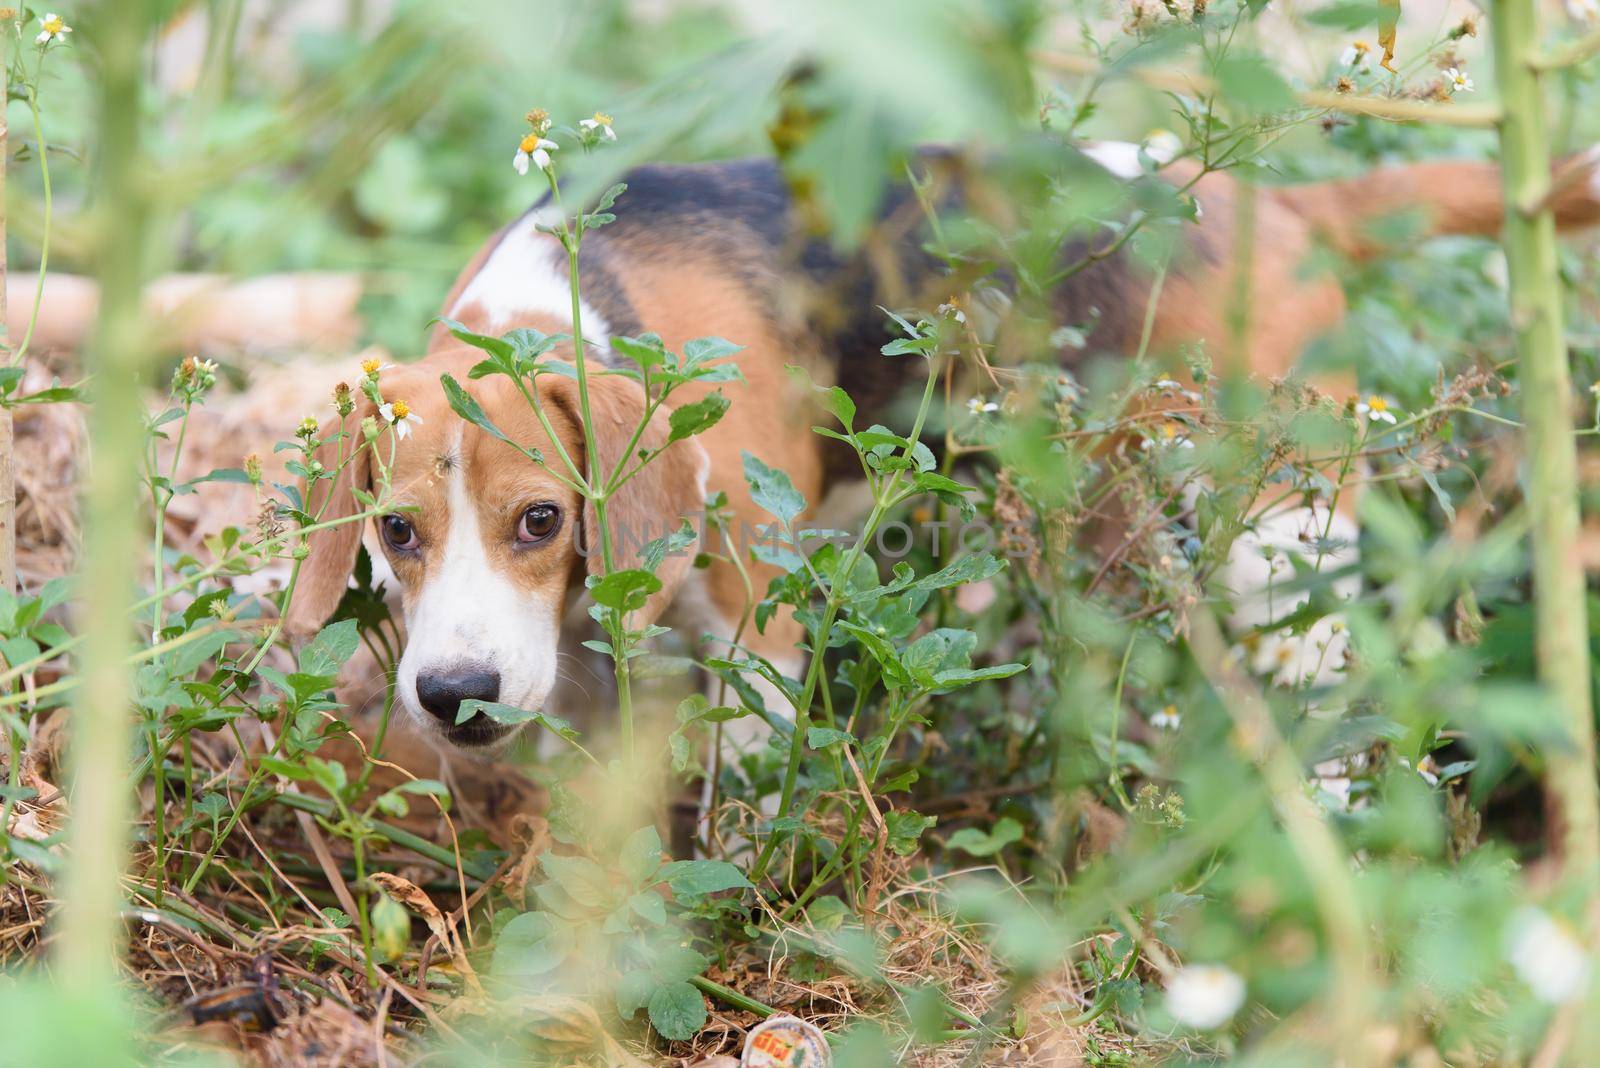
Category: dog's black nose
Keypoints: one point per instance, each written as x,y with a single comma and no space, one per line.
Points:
441,693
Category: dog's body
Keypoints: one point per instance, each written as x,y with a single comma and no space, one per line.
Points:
716,250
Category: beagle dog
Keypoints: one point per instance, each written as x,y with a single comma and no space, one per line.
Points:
488,547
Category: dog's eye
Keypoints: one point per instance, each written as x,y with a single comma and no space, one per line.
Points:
538,522
399,533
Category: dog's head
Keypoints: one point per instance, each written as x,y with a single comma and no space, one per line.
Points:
487,544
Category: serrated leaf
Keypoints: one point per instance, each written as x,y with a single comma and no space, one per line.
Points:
696,417
905,829
772,490
704,349
677,1011
326,653
626,590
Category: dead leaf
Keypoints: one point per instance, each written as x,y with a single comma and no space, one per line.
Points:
1388,21
412,897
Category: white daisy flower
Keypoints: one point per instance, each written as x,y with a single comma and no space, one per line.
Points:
599,126
399,415
1205,996
1547,955
1170,436
536,149
1168,719
953,310
1426,769
372,367
1166,385
52,28
1459,82
979,406
1376,409
1357,57
1162,146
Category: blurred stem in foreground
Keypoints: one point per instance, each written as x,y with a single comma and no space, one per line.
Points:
88,929
1537,316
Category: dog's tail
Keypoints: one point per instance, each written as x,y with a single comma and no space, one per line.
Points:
1450,197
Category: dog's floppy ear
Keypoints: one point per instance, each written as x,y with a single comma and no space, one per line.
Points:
325,572
670,489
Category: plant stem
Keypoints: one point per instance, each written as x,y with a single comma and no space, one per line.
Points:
884,498
88,928
1538,318
44,242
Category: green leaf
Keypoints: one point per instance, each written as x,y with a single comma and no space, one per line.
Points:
584,881
697,878
464,405
1347,15
327,652
494,346
704,349
677,1011
1249,81
632,991
822,737
511,716
645,350
626,590
905,829
772,490
696,417
650,907
328,774
843,408
641,855
973,568
986,843
532,944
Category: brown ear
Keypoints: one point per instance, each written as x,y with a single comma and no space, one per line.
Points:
325,572
669,490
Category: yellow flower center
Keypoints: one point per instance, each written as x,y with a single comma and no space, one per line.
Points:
1361,47
370,366
1170,710
53,26
1169,431
530,143
400,409
1377,404
602,118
